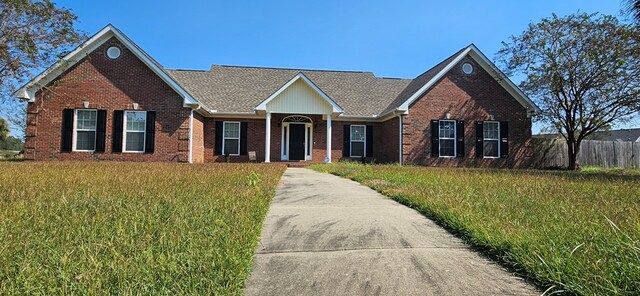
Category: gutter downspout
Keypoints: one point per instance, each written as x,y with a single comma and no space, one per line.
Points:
191,137
400,139
191,133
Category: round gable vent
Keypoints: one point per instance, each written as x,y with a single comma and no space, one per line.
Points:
467,68
113,52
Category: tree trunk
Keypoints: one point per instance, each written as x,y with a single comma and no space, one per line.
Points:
573,148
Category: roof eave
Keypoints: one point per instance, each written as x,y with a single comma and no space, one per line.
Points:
29,90
478,56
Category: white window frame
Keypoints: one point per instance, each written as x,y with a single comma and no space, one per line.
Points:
76,130
224,137
125,131
440,138
497,140
364,140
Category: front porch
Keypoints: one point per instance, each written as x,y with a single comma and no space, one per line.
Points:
300,138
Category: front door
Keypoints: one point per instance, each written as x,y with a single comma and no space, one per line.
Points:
296,141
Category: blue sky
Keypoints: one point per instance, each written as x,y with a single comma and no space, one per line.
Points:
390,38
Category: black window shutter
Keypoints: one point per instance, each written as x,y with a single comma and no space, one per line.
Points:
150,140
243,138
479,139
67,130
116,138
346,141
369,140
218,148
435,137
460,138
101,127
504,139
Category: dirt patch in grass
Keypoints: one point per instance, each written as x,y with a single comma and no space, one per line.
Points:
130,228
575,232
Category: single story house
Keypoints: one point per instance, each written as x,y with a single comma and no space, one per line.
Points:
109,100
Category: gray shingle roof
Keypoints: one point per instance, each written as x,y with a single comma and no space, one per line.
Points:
418,82
631,134
241,89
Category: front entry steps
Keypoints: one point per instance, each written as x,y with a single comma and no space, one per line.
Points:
295,163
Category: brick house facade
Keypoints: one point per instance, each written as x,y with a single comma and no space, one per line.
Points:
109,100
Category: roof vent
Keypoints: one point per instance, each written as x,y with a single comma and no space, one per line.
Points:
113,52
467,68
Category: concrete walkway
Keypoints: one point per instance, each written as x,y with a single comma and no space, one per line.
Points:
325,235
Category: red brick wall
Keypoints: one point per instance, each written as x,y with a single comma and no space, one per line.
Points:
470,98
197,141
108,85
389,141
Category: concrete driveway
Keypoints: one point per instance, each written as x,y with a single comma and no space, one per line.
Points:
325,235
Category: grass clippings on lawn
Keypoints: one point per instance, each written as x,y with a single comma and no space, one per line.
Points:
130,228
575,232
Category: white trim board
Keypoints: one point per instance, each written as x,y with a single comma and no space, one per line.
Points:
488,66
28,91
335,107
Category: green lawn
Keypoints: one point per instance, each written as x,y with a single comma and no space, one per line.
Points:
130,228
576,232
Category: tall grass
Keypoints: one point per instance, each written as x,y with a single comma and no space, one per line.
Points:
130,228
574,232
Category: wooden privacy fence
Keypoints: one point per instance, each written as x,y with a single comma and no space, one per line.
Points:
552,153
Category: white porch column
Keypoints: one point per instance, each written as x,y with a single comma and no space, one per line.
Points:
267,139
328,158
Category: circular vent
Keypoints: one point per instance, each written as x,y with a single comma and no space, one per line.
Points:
113,52
467,68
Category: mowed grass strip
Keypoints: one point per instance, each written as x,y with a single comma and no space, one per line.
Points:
130,228
575,232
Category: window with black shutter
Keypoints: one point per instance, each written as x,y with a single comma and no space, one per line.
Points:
504,139
346,143
101,127
460,138
369,141
218,144
243,138
116,138
67,130
150,136
435,132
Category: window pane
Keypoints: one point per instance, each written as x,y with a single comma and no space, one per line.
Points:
85,140
136,120
285,141
357,133
447,147
357,149
490,148
490,130
231,146
447,129
232,130
86,119
135,141
308,140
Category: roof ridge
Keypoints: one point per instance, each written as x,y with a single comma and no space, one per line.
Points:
286,68
187,70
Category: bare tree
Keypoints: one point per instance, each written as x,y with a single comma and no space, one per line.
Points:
632,7
583,70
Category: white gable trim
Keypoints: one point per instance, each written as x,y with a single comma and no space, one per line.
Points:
334,106
488,66
29,90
